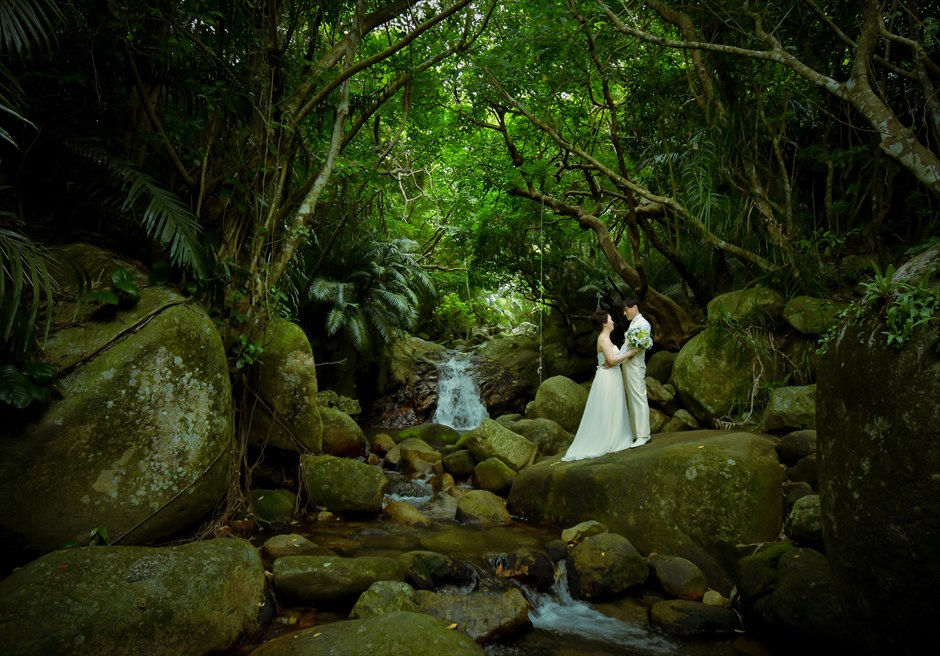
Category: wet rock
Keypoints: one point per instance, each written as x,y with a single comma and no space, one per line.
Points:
191,599
341,435
482,508
812,316
389,634
290,544
790,408
678,577
459,464
681,421
490,440
533,567
384,597
483,615
796,445
382,444
494,475
547,435
273,509
582,531
693,618
560,399
405,514
604,566
430,433
343,485
428,570
804,524
418,458
325,580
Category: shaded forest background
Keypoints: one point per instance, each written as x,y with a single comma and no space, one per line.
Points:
447,166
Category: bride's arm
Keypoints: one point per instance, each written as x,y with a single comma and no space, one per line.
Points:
612,356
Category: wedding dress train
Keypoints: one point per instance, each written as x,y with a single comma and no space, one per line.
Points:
605,424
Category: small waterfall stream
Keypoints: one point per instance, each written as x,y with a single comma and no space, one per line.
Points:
459,404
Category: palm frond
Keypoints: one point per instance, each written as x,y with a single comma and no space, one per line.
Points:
26,287
26,23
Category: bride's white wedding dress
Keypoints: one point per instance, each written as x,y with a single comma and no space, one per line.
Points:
605,424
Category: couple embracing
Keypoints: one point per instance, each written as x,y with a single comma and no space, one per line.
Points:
617,414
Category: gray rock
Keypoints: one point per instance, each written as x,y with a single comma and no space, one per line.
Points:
483,615
491,440
326,580
604,566
285,376
384,597
678,577
343,485
790,408
191,599
693,618
560,399
139,443
689,494
681,421
482,508
660,397
804,524
659,366
389,634
796,445
547,435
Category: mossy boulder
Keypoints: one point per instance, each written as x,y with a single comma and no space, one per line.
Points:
757,306
196,599
547,435
790,408
273,509
560,399
285,377
678,577
492,440
484,615
603,566
494,475
139,442
384,597
400,633
682,617
694,494
878,425
804,523
459,464
342,436
343,485
431,433
325,580
482,508
812,316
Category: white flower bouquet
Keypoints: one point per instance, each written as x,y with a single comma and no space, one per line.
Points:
639,339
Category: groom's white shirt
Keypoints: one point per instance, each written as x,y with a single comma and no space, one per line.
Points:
639,321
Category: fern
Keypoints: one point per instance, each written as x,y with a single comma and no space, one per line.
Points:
25,23
26,286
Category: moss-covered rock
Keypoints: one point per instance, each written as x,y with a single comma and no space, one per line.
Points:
389,634
196,599
560,399
273,508
431,433
790,408
678,577
693,494
419,458
547,435
813,316
459,464
757,306
804,523
342,436
326,580
384,597
659,366
482,508
483,615
494,475
138,444
491,440
343,485
286,379
604,566
692,618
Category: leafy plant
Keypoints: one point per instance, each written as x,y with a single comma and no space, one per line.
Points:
123,289
453,317
246,352
26,288
20,387
95,537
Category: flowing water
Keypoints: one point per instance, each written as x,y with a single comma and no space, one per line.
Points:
459,404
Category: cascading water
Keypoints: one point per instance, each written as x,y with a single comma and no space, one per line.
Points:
458,404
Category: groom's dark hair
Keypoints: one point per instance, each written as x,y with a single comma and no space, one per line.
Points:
599,318
629,301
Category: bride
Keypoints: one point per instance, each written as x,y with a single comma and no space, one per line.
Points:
605,424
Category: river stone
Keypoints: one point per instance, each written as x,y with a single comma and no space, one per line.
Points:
330,399
879,454
273,509
382,444
693,494
138,444
604,566
560,399
491,440
384,597
806,470
804,524
681,421
484,615
324,580
678,577
428,570
693,618
547,435
534,567
419,458
757,306
790,408
398,633
405,514
494,475
812,316
343,485
289,544
804,599
482,508
196,598
459,464
582,531
659,420
341,435
285,377
659,396
431,433
758,571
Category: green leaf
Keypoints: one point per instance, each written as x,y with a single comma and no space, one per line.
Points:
124,281
105,296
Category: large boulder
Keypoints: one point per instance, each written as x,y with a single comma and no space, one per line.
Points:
342,436
757,306
285,378
343,485
604,566
813,316
197,598
399,633
547,435
407,383
482,508
492,440
560,399
694,494
139,442
325,580
878,425
790,408
484,615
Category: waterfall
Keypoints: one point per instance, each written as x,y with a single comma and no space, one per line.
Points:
458,403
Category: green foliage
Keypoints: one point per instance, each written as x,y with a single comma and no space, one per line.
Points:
20,387
123,290
246,352
453,318
95,537
26,288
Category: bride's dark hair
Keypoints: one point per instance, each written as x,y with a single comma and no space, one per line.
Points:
599,318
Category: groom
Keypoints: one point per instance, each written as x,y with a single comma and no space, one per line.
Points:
637,340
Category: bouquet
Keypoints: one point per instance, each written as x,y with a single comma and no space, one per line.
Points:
639,339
